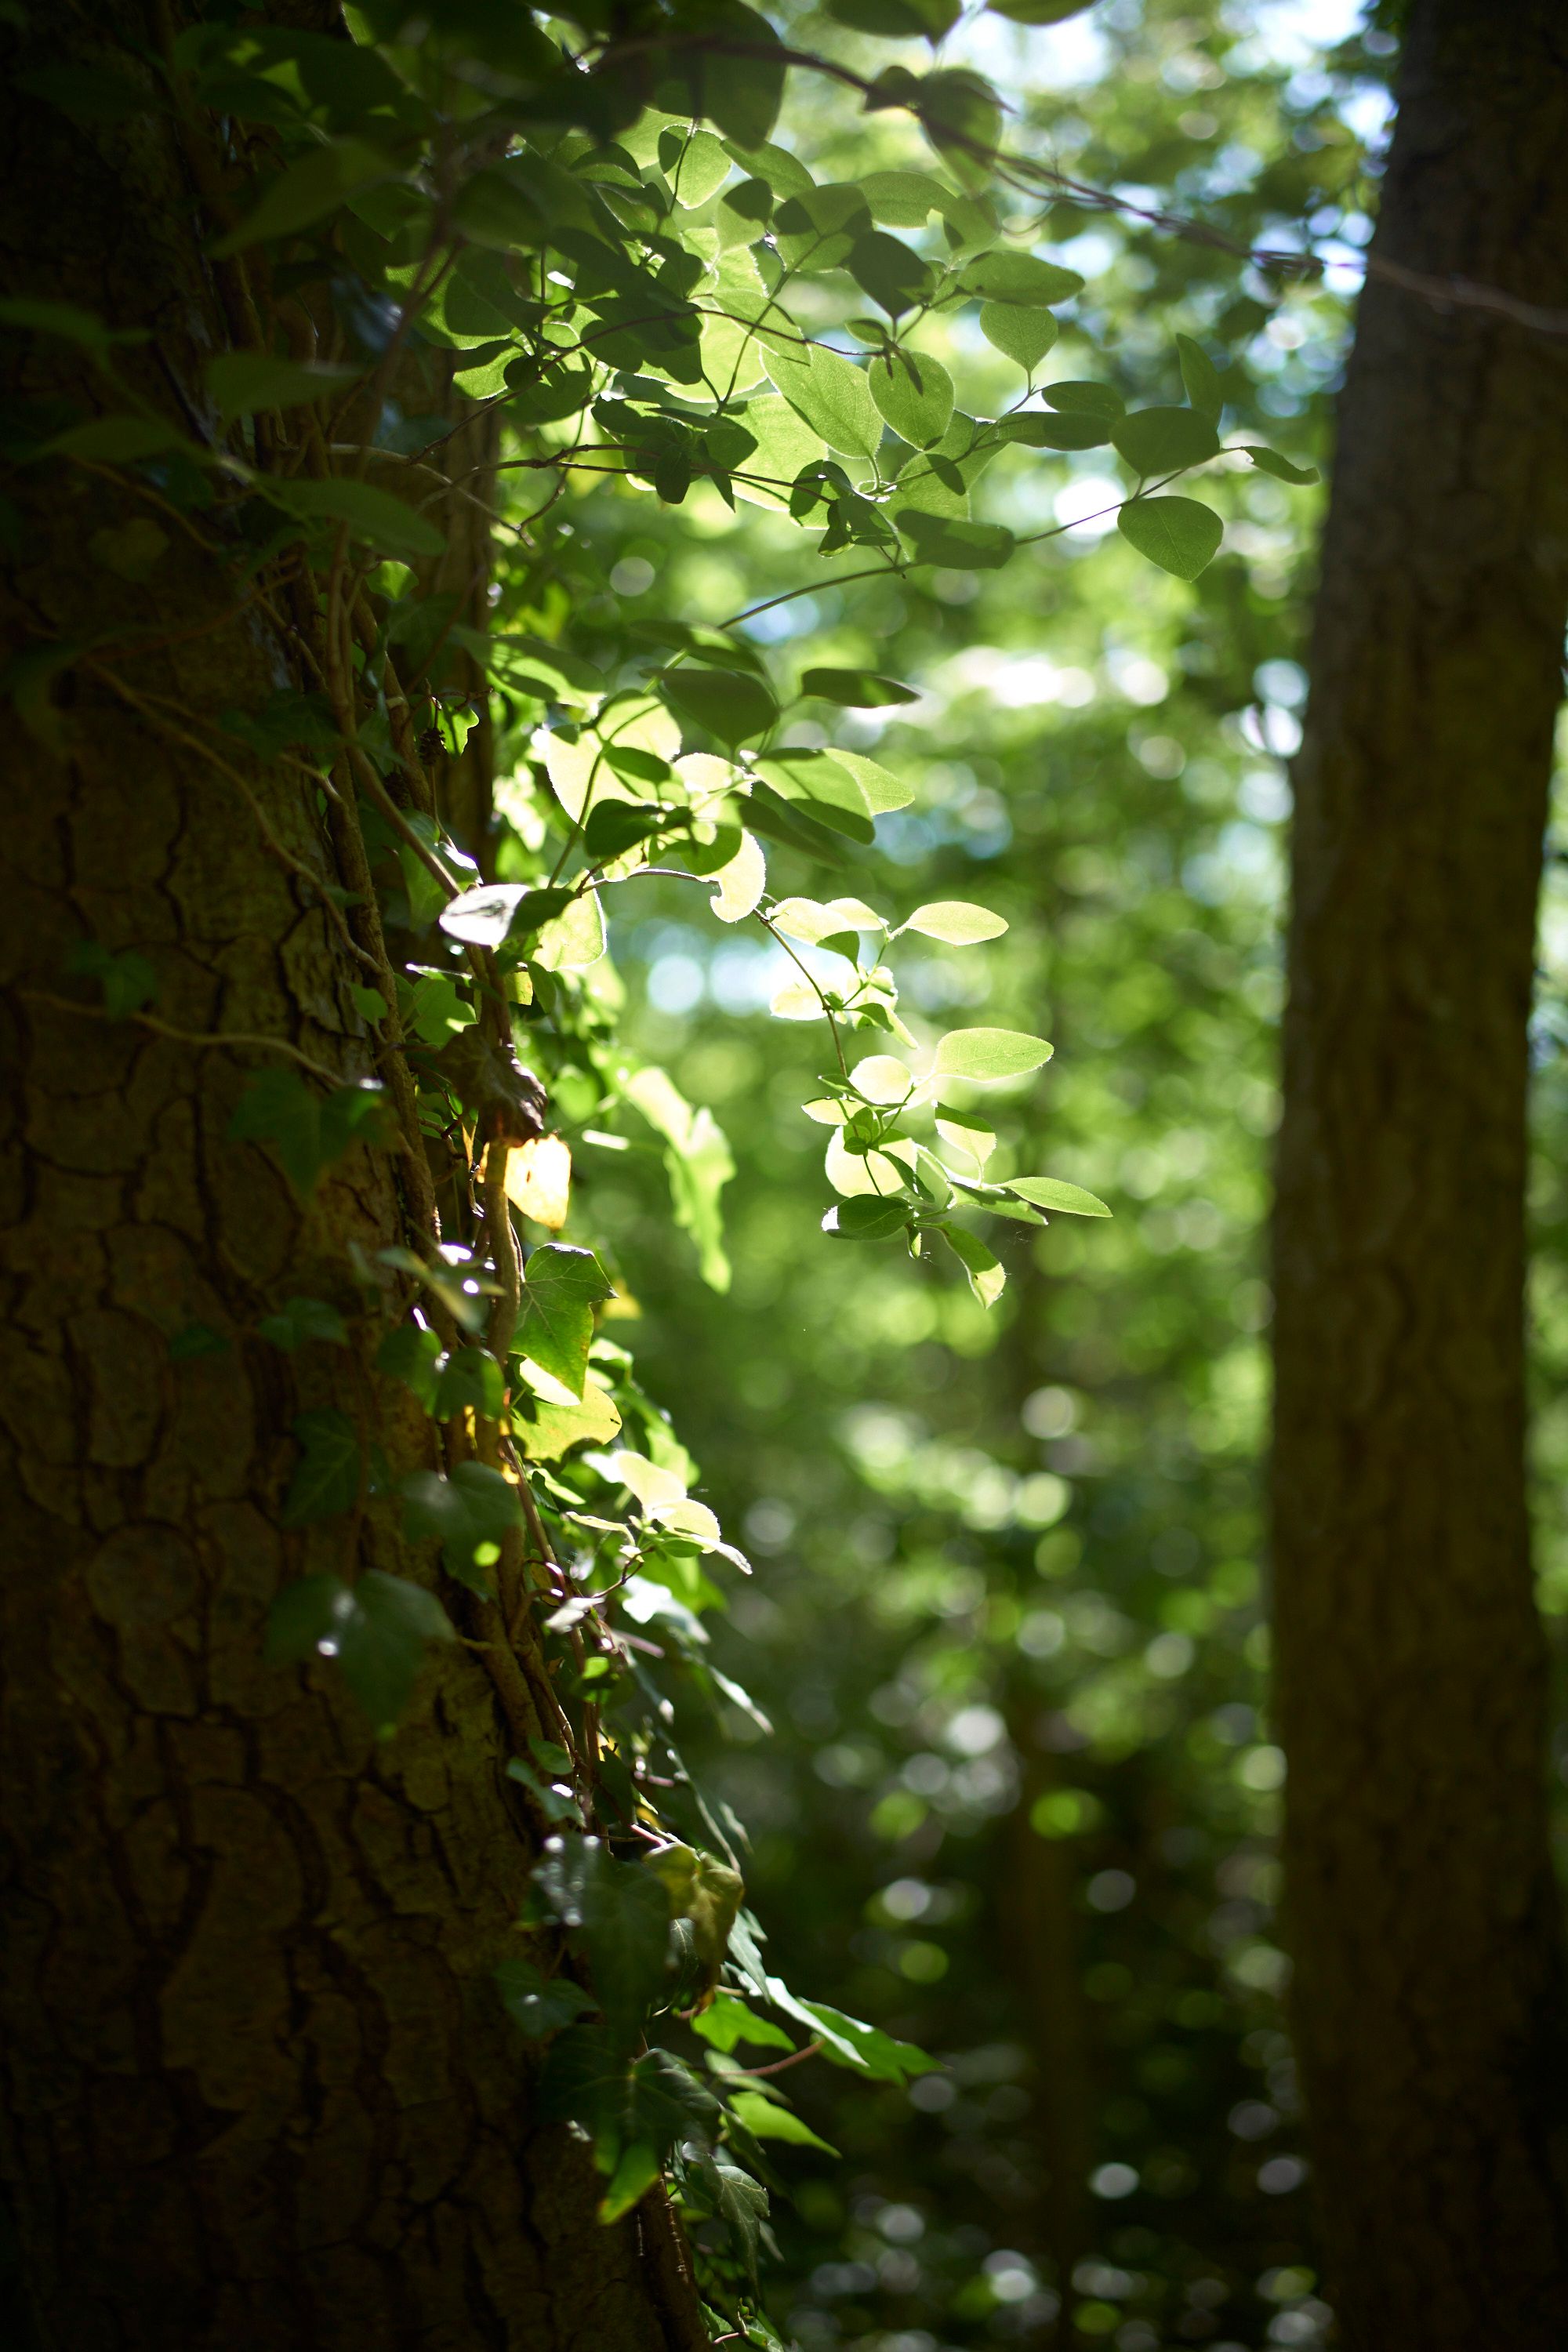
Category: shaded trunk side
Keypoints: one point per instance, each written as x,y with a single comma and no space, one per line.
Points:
1425,1927
256,2090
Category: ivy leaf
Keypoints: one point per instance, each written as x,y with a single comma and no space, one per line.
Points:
1269,461
115,440
409,1355
864,2048
1178,534
955,921
1080,395
731,704
1201,379
374,515
127,978
766,2117
1038,11
1049,1193
306,191
1163,440
729,2020
914,393
697,1161
497,911
856,689
986,1054
468,1380
305,1131
243,382
326,1478
300,1320
561,1288
537,2004
619,1916
381,1638
474,1506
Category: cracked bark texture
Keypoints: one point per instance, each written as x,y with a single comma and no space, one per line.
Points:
1429,1989
258,2092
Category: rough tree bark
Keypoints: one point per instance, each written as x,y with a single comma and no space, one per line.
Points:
259,2093
1429,1985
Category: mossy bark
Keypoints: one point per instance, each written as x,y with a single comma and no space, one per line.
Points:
1424,1922
258,2091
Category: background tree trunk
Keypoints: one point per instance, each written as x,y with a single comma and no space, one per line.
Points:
259,2093
1426,1932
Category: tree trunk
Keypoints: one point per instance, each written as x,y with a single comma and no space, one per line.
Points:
1429,1985
258,2090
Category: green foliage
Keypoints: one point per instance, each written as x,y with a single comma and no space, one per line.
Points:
588,239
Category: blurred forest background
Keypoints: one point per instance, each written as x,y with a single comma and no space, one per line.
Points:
1019,1795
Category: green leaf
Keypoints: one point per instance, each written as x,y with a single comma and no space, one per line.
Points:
242,382
382,1640
640,2165
1076,430
956,546
729,2020
1269,461
497,912
302,194
381,521
305,1131
731,704
831,394
1038,11
895,278
1049,1193
904,199
868,1217
767,2118
326,1479
983,1054
864,2048
856,689
699,1163
1022,336
127,978
914,393
475,1506
300,1320
1178,534
64,319
956,921
1079,396
197,1339
561,1288
116,440
409,1354
987,1276
619,1916
1164,440
91,93
897,19
537,2004
1201,378
468,1380
1019,278
306,1614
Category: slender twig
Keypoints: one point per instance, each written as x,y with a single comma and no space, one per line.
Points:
201,1037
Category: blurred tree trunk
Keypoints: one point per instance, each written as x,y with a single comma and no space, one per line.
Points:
259,2093
1430,1984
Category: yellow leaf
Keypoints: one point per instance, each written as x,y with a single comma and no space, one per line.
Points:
538,1179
